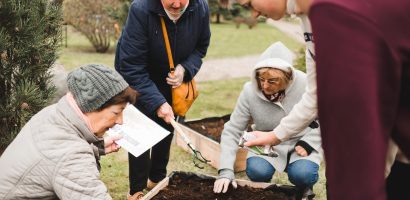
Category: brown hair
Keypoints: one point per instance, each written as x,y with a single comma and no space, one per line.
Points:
128,95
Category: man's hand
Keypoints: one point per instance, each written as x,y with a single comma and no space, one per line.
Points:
301,151
110,145
165,112
262,139
177,77
222,185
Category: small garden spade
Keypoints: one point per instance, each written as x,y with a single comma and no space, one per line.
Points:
258,150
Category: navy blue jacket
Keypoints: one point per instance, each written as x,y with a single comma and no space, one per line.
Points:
141,56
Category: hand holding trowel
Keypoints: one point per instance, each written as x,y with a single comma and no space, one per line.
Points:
266,150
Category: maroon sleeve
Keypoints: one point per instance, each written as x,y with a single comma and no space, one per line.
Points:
357,97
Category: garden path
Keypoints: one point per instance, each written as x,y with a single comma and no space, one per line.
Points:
228,68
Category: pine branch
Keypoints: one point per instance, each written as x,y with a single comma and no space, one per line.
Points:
30,32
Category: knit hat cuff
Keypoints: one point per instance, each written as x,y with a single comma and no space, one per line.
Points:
93,85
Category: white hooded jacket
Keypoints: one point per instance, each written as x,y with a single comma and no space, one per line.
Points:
266,114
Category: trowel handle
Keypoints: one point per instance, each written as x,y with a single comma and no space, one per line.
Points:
180,131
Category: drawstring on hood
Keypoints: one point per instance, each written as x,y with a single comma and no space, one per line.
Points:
291,6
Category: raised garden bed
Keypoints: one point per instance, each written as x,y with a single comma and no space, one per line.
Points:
190,186
205,135
211,127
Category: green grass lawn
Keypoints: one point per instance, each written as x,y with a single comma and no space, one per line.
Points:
79,51
226,41
216,98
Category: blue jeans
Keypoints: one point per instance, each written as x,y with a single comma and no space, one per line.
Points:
301,173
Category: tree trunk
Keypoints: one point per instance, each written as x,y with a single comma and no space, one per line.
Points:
218,18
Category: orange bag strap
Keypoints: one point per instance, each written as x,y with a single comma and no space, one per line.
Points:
167,46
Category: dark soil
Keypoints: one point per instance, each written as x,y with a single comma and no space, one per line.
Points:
2,149
194,188
211,127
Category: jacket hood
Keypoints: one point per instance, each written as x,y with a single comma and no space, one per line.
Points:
276,56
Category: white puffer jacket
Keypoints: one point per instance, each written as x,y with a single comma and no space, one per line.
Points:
52,158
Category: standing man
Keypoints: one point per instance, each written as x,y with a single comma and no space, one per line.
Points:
141,58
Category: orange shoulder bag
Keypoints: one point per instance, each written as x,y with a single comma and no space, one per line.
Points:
184,95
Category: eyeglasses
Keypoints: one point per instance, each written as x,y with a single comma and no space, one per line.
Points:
271,81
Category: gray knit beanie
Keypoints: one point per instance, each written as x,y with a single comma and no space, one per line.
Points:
92,85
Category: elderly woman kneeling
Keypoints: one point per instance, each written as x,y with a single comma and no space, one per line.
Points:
274,89
56,154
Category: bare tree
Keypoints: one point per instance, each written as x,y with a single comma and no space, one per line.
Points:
92,18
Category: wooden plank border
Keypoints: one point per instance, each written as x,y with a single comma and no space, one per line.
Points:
209,148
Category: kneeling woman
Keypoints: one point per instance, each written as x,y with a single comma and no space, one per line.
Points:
273,91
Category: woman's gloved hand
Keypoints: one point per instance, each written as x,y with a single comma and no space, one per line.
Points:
226,177
177,77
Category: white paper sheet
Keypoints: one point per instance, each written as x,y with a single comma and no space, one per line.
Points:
139,132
